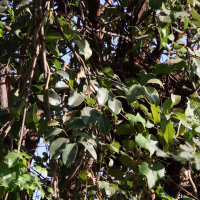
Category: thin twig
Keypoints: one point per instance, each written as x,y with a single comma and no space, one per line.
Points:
193,185
26,99
180,187
108,80
6,195
45,66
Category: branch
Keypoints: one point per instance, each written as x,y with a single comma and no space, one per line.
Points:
26,99
181,187
193,185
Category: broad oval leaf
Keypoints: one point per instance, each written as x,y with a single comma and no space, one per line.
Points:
63,73
76,124
135,92
84,47
102,96
103,124
54,98
50,133
137,118
89,115
57,147
61,86
115,105
152,95
75,99
90,148
69,154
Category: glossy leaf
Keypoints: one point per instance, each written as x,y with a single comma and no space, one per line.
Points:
115,105
152,95
57,147
69,154
89,115
90,148
75,99
151,143
135,92
167,130
153,173
102,96
50,133
137,118
84,47
54,98
103,124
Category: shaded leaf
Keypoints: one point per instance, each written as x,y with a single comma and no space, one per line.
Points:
75,99
103,124
153,174
69,153
57,147
50,133
102,96
151,143
90,148
89,115
76,124
124,129
135,92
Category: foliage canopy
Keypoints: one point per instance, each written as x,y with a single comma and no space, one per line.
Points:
120,118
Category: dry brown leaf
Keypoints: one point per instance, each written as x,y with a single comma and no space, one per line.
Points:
81,74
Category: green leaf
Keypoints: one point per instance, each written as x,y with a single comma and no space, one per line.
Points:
26,181
54,98
167,106
115,146
153,174
115,105
53,48
90,101
156,113
76,124
3,5
83,175
155,80
196,66
162,194
167,130
75,99
69,154
137,118
60,85
108,71
53,36
41,171
50,133
12,158
152,95
106,186
16,109
124,129
102,96
19,3
42,127
31,116
163,20
135,92
90,148
103,124
128,144
151,143
126,160
87,137
63,73
175,99
89,115
156,4
56,63
84,47
57,147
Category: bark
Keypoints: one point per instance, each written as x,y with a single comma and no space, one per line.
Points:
3,90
